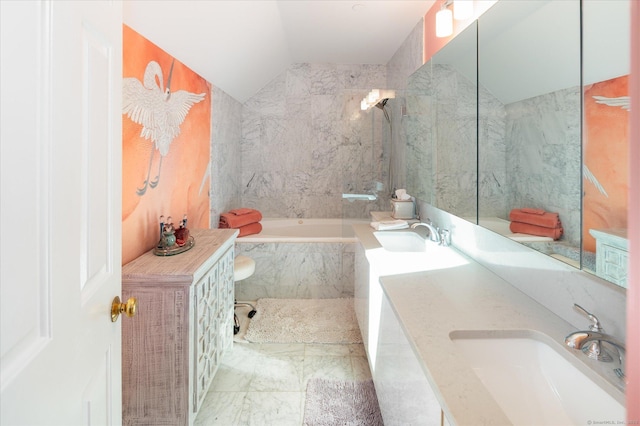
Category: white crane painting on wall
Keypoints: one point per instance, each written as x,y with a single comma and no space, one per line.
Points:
158,110
623,102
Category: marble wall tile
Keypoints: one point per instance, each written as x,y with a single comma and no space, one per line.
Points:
404,63
225,163
492,166
543,157
305,141
407,59
456,147
529,156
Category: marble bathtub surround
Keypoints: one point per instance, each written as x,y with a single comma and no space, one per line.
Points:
298,270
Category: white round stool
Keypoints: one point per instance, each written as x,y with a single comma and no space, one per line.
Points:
243,268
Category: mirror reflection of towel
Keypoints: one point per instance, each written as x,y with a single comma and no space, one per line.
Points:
536,217
541,231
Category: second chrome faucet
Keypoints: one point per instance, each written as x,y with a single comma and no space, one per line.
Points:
590,342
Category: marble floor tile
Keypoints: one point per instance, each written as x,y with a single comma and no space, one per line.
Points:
290,349
278,373
360,367
327,350
221,409
327,367
273,409
265,384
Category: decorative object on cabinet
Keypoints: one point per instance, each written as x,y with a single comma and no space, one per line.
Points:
172,348
612,249
173,241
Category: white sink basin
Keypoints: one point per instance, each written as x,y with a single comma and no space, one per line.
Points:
403,241
533,383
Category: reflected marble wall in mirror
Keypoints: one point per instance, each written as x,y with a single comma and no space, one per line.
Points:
529,123
441,128
606,68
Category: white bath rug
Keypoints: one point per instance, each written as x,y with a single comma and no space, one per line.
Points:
331,402
304,321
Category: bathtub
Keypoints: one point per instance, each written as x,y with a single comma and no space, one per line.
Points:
299,259
304,230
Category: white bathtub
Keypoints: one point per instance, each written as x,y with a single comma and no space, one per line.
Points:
304,231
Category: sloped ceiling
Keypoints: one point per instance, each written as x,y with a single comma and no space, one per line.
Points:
239,46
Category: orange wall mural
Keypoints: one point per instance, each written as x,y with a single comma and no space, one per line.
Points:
166,131
606,147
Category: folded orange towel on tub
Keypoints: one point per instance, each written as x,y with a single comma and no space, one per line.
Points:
536,217
541,231
239,217
250,229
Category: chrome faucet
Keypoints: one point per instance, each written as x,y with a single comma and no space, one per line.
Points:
433,232
590,342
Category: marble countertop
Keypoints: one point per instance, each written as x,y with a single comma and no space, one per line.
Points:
431,304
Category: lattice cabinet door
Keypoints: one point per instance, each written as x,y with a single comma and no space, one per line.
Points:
207,353
226,300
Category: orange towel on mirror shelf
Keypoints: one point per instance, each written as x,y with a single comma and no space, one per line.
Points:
250,229
541,231
536,217
239,217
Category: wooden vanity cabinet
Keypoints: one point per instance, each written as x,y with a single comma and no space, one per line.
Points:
172,347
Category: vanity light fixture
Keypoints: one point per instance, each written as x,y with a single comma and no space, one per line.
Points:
374,97
444,20
462,10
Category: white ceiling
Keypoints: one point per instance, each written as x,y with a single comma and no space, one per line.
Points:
240,46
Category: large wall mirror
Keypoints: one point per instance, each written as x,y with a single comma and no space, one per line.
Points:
606,68
529,120
552,139
550,121
441,128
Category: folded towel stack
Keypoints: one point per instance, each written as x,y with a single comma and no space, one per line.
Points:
247,221
535,222
389,225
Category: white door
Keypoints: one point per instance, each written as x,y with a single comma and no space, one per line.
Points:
61,222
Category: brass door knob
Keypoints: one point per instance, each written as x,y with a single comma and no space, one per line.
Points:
117,308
